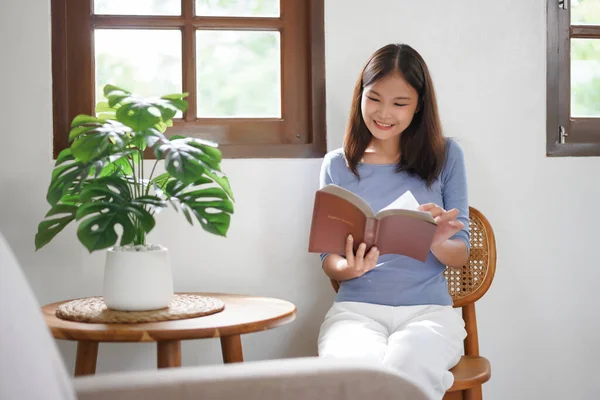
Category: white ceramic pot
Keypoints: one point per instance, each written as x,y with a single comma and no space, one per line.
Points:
137,280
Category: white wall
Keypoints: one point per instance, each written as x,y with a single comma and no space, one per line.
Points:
537,323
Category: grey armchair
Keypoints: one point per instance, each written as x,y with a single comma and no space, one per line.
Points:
31,367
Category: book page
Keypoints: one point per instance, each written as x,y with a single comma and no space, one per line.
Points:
405,202
350,197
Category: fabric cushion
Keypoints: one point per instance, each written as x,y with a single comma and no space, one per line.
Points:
31,367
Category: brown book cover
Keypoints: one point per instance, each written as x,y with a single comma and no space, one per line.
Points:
397,229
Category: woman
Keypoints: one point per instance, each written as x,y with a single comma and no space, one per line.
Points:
392,308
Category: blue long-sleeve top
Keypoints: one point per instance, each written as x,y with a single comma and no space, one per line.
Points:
399,280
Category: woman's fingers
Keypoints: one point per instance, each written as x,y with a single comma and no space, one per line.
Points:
350,250
360,253
372,257
433,209
359,261
457,224
448,215
373,254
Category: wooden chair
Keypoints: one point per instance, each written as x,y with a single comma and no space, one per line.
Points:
466,285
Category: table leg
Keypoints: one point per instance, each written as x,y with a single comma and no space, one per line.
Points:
231,347
87,354
169,354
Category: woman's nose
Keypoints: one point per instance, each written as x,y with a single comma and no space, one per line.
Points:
383,111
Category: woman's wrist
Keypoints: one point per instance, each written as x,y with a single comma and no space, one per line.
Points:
451,252
336,267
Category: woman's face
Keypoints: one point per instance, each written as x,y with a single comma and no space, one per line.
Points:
388,106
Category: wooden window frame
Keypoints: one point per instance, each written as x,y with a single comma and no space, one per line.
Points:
299,133
566,136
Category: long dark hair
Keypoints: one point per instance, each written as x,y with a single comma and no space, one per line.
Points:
422,145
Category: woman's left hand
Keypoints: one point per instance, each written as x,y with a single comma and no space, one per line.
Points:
446,220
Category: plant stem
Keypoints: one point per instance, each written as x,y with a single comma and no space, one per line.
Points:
131,163
150,177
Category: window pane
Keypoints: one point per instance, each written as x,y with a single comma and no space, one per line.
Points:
239,74
585,78
585,12
137,7
144,62
238,8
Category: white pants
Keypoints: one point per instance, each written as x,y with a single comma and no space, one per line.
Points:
423,342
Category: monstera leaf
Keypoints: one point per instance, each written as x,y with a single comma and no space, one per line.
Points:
210,206
96,138
108,202
190,159
68,176
62,215
140,113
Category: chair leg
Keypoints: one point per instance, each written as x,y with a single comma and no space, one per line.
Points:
474,393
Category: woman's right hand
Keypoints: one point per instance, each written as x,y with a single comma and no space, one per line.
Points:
359,263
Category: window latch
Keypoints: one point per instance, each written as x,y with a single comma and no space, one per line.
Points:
563,4
562,135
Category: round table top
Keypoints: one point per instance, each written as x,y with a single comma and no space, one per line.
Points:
242,314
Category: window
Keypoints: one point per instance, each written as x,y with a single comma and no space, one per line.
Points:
573,78
254,69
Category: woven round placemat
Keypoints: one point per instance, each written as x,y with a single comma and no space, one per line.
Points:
94,310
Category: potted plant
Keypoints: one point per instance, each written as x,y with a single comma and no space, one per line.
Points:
100,182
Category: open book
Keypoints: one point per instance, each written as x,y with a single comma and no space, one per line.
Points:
398,228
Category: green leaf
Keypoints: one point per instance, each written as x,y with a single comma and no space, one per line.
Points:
136,116
107,188
210,155
187,213
108,202
152,201
83,119
98,231
106,138
118,164
211,206
67,177
217,224
181,161
80,130
104,107
175,96
187,159
109,89
115,95
64,156
49,228
222,181
141,114
151,136
161,180
98,221
89,147
143,216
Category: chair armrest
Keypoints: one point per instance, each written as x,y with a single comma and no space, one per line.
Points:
289,379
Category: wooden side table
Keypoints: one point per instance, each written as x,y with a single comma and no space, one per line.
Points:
242,314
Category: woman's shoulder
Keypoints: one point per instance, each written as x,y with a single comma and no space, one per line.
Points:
454,151
455,160
335,157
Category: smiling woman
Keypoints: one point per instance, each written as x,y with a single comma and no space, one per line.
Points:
389,307
394,94
388,107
